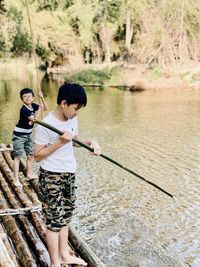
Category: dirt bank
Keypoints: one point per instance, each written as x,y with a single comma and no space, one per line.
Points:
187,76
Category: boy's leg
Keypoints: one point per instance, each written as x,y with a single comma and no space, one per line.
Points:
69,206
65,256
50,193
29,163
16,171
52,188
18,146
29,149
53,249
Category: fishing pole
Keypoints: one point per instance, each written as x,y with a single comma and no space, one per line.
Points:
104,156
33,46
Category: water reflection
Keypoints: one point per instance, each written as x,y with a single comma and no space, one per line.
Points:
156,134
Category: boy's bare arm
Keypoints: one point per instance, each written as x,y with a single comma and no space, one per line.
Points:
43,104
42,107
38,114
42,151
31,119
91,143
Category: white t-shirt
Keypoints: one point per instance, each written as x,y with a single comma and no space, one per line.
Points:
62,160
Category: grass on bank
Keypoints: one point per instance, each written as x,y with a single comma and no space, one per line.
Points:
104,76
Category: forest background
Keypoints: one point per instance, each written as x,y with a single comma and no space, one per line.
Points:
161,35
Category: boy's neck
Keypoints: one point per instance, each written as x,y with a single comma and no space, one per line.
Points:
58,114
28,106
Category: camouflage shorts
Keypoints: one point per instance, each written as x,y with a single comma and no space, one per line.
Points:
58,198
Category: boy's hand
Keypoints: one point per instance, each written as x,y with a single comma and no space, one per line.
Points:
65,138
96,147
40,94
31,120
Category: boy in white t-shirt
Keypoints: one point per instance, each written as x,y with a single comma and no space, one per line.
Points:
57,170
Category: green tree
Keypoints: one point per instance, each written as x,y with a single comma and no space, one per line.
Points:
20,40
81,20
21,43
2,44
50,5
133,11
2,6
106,16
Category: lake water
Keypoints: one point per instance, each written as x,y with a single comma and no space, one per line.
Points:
156,134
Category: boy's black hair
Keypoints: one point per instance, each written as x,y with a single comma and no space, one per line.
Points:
73,94
26,91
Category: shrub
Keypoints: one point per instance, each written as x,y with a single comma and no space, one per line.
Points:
21,43
157,72
92,76
2,44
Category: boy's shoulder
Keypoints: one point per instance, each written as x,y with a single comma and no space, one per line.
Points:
51,119
25,109
35,106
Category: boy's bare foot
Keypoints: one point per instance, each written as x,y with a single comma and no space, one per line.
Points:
32,176
71,252
72,260
17,183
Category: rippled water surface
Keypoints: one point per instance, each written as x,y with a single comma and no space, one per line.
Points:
156,134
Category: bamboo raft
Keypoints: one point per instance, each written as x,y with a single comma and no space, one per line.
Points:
22,230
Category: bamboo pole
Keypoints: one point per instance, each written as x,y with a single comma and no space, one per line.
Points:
33,46
25,256
8,247
33,182
26,183
34,241
5,259
6,153
33,51
23,198
83,249
105,157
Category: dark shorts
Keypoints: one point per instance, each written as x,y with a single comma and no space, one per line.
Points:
22,143
58,198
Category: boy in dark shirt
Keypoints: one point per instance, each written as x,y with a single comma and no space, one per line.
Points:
22,140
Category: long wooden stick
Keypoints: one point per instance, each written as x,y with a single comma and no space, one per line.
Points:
33,47
105,157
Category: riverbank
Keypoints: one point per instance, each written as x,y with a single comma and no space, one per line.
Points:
132,77
182,76
140,77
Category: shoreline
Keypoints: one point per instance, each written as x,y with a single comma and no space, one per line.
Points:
133,77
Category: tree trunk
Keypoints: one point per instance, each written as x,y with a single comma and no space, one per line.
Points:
129,31
106,37
181,31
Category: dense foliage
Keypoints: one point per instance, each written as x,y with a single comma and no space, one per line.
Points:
93,77
67,31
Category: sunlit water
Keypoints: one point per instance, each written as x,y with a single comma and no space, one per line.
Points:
156,134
